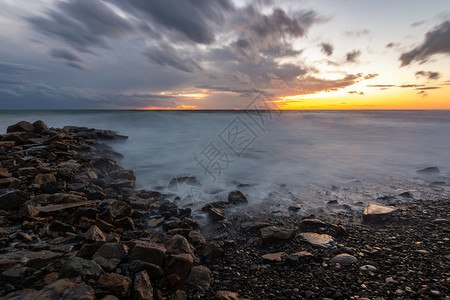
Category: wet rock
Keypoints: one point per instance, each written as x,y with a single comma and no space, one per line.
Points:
28,211
178,244
94,234
274,257
237,198
196,238
40,126
142,287
344,259
317,240
11,199
110,255
179,266
116,284
429,170
295,208
226,295
168,209
216,214
60,198
22,126
4,173
155,222
272,233
77,266
104,226
126,223
212,250
67,289
378,213
154,271
43,178
10,183
200,278
149,253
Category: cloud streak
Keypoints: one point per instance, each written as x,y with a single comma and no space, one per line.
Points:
436,41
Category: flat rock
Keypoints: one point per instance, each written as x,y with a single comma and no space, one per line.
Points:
344,259
226,295
116,284
22,126
318,240
216,214
272,233
77,266
429,170
274,257
110,255
378,213
150,253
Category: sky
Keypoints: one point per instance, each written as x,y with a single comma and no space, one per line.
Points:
224,54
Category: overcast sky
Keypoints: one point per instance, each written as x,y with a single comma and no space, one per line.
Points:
341,54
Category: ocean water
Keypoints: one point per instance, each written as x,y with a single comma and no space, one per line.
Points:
274,157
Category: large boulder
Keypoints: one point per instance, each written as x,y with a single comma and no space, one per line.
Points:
142,287
200,278
150,253
116,284
22,126
237,198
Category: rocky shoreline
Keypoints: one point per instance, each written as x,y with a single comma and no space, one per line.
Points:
73,226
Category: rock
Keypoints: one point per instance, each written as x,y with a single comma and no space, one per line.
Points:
22,126
154,271
318,240
368,268
272,233
116,284
216,214
61,198
168,209
178,265
378,213
150,253
237,198
196,238
10,183
103,225
212,250
344,259
142,287
312,225
200,278
180,295
274,257
24,237
28,211
76,266
429,170
226,295
295,208
301,256
40,126
94,234
11,199
4,173
155,222
110,255
43,178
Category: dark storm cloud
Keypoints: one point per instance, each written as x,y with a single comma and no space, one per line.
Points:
230,89
69,58
17,69
82,23
267,34
428,74
353,56
370,76
436,41
327,48
166,55
190,18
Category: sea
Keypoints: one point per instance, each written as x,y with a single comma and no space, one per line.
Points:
277,158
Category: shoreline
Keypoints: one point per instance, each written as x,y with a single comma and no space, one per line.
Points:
102,237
